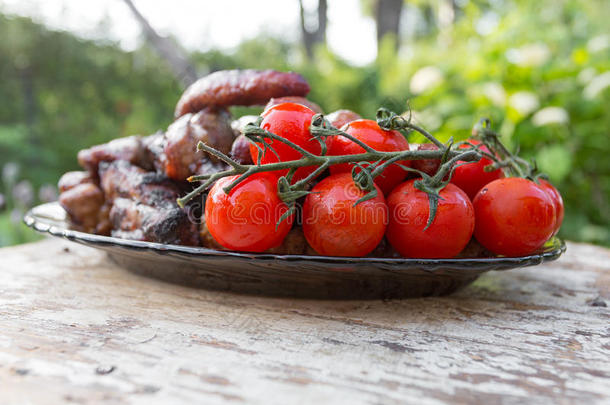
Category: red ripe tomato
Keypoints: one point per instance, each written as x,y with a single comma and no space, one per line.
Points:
557,202
448,234
514,216
290,121
371,134
246,218
333,226
428,166
471,177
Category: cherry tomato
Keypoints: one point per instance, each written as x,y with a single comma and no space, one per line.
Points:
290,121
428,166
514,216
333,226
471,177
341,117
371,134
557,202
246,218
448,234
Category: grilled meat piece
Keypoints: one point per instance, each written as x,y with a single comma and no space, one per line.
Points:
167,224
294,99
239,124
154,154
180,158
120,179
72,179
84,203
294,244
239,87
144,205
341,117
129,149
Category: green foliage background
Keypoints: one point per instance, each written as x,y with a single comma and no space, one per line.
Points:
59,94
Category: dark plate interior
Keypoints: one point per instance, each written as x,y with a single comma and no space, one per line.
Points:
288,275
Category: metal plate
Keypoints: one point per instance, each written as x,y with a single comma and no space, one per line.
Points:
288,275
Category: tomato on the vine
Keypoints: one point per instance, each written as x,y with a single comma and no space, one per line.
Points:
290,121
557,202
514,216
334,226
428,166
377,138
471,177
246,218
447,235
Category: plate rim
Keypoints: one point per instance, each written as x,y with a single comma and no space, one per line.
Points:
37,223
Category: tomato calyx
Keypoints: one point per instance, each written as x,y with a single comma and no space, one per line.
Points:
498,153
432,185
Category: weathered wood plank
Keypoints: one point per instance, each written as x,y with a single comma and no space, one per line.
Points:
75,328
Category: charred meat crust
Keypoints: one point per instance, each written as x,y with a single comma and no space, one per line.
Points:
129,149
180,158
144,205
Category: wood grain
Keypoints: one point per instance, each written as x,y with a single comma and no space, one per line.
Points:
74,328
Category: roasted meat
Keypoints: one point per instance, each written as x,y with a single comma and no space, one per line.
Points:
83,204
122,179
72,179
180,158
129,149
239,87
164,223
144,205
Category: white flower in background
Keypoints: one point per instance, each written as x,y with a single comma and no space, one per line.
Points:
550,115
524,102
495,92
10,171
585,75
47,193
23,193
598,43
597,85
425,79
529,55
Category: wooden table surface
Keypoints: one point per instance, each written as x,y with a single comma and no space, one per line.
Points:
74,328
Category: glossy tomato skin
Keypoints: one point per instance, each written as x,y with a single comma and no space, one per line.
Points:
371,134
471,177
557,202
428,166
246,218
290,121
514,217
333,226
448,234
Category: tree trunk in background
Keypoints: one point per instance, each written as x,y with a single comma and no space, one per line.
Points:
387,17
310,36
177,59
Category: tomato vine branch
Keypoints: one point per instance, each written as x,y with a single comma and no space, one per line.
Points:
320,129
